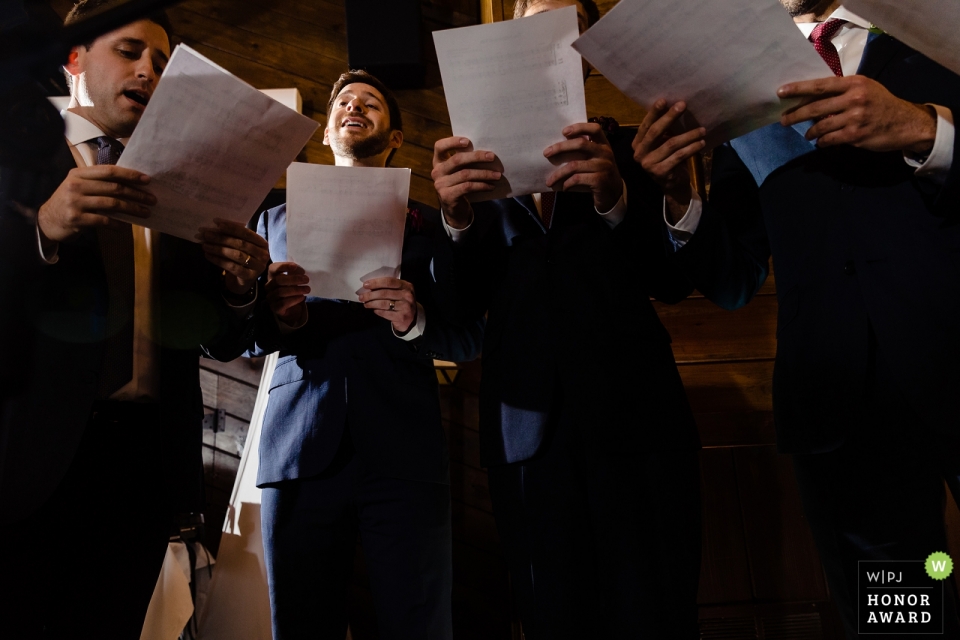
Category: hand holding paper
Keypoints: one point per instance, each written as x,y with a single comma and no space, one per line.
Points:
725,60
212,145
345,225
512,87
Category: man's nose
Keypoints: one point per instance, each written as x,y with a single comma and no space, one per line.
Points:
145,68
355,105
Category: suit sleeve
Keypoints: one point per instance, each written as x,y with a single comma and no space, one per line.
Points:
454,329
642,235
727,258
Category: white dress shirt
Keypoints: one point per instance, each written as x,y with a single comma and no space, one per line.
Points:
82,137
850,42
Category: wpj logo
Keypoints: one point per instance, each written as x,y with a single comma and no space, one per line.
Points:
902,597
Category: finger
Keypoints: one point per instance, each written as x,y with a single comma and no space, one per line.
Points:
460,160
680,156
97,220
231,266
467,175
466,188
658,109
117,190
104,205
283,280
237,256
816,88
580,182
590,130
400,306
443,147
568,169
659,128
112,172
384,283
815,110
582,145
670,147
241,232
291,268
829,125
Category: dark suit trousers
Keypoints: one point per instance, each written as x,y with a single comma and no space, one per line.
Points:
310,531
601,544
880,496
85,565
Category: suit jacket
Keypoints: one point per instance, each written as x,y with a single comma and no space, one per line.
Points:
347,369
571,329
69,304
859,242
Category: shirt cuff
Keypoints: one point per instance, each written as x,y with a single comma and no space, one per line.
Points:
417,329
456,235
681,233
49,258
619,211
244,310
937,165
290,328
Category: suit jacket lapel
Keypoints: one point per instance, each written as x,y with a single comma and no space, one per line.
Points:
878,53
527,203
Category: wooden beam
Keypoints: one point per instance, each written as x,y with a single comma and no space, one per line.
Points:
491,11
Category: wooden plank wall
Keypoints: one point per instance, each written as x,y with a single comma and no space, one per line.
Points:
761,577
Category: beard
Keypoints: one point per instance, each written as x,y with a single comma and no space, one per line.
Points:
372,145
803,7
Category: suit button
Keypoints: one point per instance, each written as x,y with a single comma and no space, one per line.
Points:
846,187
850,269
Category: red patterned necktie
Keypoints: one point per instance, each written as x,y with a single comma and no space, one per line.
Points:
547,200
821,38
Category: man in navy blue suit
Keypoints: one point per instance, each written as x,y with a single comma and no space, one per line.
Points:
102,450
352,440
584,424
855,194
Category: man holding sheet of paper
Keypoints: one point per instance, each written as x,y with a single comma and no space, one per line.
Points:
855,195
103,451
584,425
351,441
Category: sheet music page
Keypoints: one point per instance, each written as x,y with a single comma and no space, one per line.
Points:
345,225
511,89
212,144
726,60
932,27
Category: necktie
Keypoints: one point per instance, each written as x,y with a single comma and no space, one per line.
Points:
821,38
116,250
547,200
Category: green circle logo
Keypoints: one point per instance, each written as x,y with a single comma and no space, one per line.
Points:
939,565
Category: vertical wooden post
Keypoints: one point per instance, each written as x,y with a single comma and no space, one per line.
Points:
491,11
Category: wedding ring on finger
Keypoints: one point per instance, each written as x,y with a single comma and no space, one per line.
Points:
246,262
393,306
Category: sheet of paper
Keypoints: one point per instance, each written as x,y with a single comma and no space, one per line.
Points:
213,146
345,225
932,27
512,87
726,60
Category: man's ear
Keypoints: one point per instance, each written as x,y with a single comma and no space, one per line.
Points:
396,139
326,136
73,62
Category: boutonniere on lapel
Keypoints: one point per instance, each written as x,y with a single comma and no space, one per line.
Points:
607,124
414,219
875,30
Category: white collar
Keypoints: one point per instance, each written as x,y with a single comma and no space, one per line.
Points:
853,20
78,129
